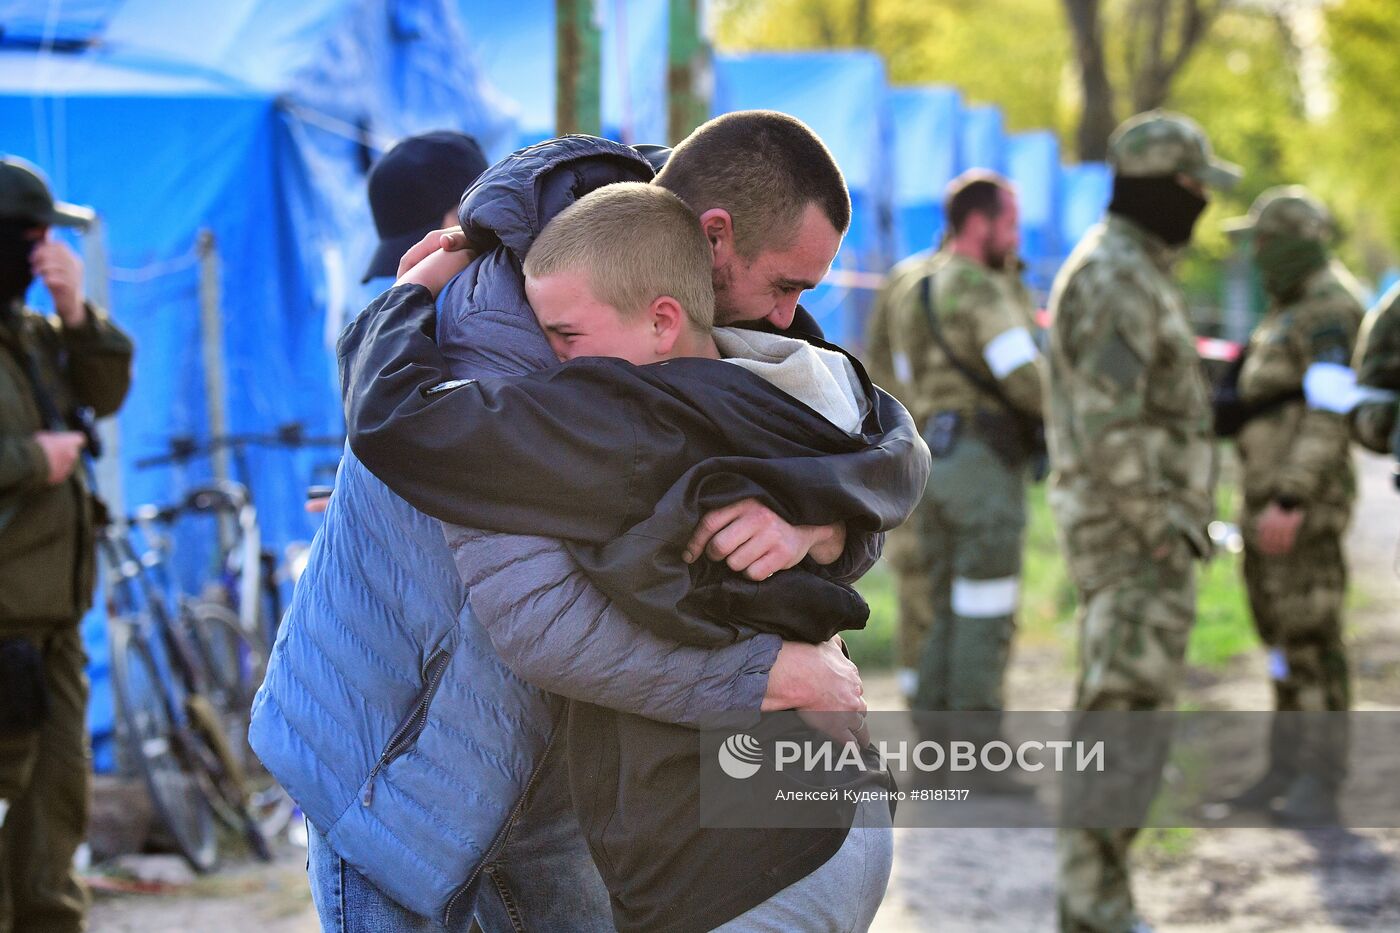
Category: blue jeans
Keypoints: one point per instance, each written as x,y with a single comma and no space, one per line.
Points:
542,879
842,895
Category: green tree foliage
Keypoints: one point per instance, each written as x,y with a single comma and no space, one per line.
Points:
1356,154
1008,52
1240,81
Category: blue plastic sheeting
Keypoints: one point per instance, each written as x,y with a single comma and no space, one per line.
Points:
634,60
1085,190
982,139
515,42
1033,165
843,97
265,146
925,126
69,21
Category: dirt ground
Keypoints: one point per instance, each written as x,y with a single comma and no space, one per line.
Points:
970,881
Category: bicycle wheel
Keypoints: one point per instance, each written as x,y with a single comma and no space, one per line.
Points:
147,732
235,669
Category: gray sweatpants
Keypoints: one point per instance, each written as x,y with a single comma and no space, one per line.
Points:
839,897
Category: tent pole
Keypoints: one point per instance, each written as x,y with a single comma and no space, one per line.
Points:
578,68
211,331
688,75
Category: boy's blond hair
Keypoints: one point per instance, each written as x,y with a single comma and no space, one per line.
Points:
637,242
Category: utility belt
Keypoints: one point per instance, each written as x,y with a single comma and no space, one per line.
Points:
1015,443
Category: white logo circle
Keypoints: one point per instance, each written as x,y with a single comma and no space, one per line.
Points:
740,756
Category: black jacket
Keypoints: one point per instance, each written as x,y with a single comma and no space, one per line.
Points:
622,461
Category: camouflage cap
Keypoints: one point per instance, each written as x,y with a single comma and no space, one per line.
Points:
1159,142
1287,210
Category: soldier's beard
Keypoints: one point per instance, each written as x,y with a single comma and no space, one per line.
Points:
1158,204
994,258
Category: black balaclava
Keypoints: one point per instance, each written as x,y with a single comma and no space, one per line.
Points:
1158,203
15,249
1285,262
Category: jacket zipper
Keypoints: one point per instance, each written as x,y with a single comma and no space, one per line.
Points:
500,839
437,666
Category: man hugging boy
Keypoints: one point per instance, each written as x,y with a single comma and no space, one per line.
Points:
620,457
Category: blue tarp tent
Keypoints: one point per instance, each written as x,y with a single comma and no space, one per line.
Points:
1085,189
982,139
255,121
925,123
1033,165
843,97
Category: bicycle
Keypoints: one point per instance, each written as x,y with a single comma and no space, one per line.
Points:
169,701
250,575
232,657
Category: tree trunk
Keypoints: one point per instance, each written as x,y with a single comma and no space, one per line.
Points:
1096,120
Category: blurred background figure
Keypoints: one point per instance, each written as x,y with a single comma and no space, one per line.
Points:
414,189
1298,491
962,357
49,368
1375,422
1130,439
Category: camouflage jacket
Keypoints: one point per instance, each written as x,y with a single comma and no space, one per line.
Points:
1129,410
985,320
1298,452
879,352
1377,366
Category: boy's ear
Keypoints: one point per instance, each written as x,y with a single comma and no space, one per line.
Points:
668,320
718,228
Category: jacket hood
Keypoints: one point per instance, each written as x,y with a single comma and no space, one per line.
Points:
513,200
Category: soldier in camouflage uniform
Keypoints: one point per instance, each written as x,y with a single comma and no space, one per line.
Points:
1298,492
1375,421
1129,426
961,348
903,552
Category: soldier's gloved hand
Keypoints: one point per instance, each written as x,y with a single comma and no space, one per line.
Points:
61,449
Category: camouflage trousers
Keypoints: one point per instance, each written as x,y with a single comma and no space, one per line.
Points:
913,597
1296,600
960,580
1133,632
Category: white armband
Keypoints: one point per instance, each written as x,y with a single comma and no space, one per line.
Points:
1009,350
1332,387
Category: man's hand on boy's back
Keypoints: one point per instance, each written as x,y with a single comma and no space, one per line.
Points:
822,684
435,271
754,541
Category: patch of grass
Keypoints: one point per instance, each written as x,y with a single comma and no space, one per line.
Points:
1165,844
1223,627
873,647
